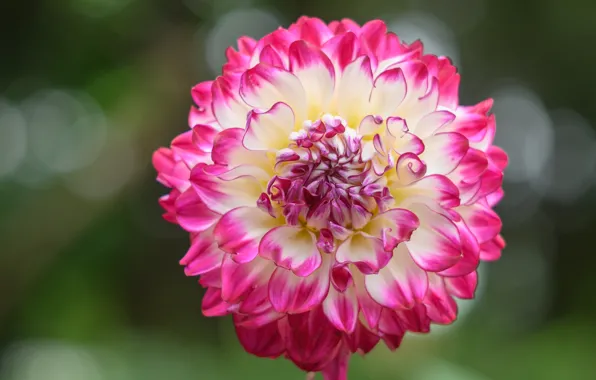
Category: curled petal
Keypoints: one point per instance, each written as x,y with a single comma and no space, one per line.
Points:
393,227
410,168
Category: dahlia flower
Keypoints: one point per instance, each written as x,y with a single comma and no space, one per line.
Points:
335,191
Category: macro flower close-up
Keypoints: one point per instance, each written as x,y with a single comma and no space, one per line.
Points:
336,193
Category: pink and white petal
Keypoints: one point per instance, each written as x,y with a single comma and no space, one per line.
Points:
229,150
409,168
269,131
400,284
484,223
317,75
415,109
371,310
370,126
222,196
290,293
470,168
192,214
263,86
364,251
470,253
443,152
239,279
228,107
463,287
270,57
431,190
404,142
432,123
354,90
491,250
393,226
264,341
342,50
293,248
440,306
240,231
388,92
435,245
341,308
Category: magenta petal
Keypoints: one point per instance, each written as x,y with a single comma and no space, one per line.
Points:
264,341
290,293
400,284
436,245
341,308
463,286
192,214
441,307
239,279
203,256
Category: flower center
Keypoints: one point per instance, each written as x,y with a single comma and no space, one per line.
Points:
322,179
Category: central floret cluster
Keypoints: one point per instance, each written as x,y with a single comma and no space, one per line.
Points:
322,179
335,191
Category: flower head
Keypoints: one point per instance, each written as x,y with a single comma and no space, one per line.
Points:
335,191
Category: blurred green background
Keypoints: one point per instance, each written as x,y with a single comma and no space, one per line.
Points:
90,283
